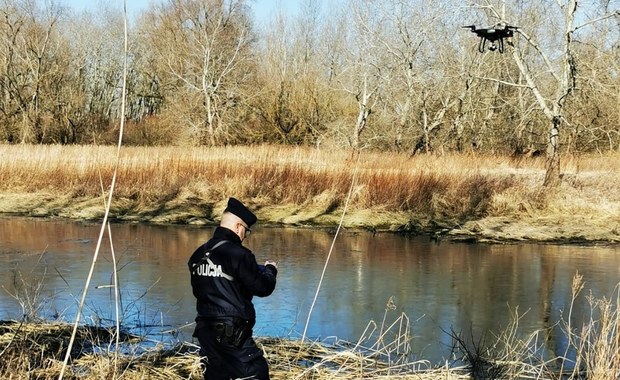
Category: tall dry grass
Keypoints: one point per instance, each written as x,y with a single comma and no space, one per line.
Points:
278,173
596,342
277,181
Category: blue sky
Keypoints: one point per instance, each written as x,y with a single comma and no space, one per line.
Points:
263,9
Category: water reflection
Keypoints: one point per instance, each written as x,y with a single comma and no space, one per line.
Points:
442,287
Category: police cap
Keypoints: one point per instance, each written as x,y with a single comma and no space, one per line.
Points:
236,207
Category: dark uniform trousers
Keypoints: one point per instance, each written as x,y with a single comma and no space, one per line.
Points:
222,360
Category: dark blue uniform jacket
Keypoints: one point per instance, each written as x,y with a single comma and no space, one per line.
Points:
225,281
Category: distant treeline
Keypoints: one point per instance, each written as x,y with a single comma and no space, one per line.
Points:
390,75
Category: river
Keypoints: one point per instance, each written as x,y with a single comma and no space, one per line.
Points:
441,288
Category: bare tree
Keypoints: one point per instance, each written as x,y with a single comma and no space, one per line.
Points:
30,66
60,81
204,50
284,99
13,104
390,74
92,102
552,93
363,74
312,101
594,108
279,78
406,29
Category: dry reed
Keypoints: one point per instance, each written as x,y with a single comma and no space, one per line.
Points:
35,350
302,185
597,342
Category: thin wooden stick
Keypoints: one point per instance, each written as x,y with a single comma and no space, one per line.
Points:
116,301
344,211
107,208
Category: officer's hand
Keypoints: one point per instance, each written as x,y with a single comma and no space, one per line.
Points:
275,264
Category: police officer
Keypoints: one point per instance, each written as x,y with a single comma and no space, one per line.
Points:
224,278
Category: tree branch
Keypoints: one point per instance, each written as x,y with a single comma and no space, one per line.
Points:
542,54
528,78
616,13
503,82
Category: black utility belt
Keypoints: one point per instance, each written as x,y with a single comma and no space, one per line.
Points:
233,332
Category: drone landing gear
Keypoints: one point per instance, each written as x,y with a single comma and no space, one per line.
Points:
493,46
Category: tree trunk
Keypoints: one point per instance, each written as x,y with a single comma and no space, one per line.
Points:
552,175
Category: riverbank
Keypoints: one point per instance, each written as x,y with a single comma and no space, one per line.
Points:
460,197
37,350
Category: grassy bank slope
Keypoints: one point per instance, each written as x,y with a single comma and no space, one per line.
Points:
463,196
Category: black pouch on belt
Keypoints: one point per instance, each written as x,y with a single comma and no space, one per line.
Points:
223,331
241,332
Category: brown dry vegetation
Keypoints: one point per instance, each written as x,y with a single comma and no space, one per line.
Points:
35,351
483,197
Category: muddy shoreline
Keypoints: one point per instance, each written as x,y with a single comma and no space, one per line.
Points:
604,230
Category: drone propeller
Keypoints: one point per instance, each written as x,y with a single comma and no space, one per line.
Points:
511,27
